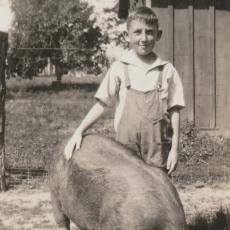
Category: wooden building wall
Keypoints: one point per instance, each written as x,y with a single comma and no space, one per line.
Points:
196,39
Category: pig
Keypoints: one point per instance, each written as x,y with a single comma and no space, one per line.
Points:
105,186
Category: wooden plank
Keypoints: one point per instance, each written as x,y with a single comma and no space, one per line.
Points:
171,31
123,9
183,52
165,14
204,63
139,3
213,65
191,102
148,3
3,50
223,63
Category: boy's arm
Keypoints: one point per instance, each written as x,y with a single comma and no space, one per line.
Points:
75,141
173,154
93,115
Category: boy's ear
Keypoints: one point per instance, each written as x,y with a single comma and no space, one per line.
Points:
159,34
126,36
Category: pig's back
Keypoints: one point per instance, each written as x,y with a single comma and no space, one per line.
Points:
108,185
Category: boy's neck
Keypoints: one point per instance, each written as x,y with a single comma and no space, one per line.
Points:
147,60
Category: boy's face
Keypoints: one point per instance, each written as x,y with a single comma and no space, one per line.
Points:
142,37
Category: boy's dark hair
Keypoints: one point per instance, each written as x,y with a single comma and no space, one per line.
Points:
145,14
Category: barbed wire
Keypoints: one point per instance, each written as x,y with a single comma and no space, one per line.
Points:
43,58
55,48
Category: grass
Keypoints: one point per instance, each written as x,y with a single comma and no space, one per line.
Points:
40,115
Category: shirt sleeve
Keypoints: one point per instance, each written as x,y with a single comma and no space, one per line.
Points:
109,87
175,90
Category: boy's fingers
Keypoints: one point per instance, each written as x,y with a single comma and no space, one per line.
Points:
168,164
78,144
67,155
68,152
170,171
74,147
172,168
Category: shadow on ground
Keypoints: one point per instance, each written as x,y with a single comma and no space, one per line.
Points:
219,221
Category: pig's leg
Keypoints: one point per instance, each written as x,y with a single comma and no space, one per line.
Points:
61,219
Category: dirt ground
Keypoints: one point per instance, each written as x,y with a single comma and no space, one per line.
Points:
205,200
24,209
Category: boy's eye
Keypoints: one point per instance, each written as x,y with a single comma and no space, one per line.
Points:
147,32
150,32
137,32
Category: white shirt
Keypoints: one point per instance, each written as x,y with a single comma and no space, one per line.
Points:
113,89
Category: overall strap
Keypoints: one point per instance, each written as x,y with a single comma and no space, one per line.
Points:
159,82
127,80
162,102
126,73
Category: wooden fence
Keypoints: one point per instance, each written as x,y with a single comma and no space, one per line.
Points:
196,39
25,176
3,50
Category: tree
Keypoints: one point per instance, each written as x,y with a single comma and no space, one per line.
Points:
112,28
64,31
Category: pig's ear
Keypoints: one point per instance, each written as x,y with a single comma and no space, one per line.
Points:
159,34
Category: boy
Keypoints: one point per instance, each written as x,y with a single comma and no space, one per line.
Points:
148,95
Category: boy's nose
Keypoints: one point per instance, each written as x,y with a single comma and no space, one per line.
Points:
143,36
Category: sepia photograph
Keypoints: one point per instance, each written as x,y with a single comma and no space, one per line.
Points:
114,115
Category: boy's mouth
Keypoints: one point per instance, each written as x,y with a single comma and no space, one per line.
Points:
144,46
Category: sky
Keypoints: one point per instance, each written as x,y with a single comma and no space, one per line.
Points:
5,15
100,4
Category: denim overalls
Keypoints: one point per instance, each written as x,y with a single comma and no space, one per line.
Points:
144,126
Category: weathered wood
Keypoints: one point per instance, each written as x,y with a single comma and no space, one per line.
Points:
195,39
3,50
191,102
123,9
171,28
140,3
213,66
223,63
183,52
204,46
136,3
165,46
148,3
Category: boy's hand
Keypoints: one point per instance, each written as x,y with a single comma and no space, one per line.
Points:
73,144
172,161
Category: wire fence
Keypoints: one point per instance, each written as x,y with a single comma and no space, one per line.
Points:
188,173
25,176
199,175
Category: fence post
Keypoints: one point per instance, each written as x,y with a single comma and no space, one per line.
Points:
3,51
